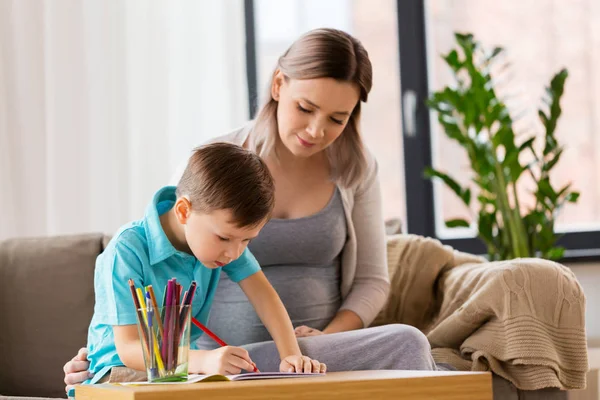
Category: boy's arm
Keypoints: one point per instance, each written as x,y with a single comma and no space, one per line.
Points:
226,360
129,347
246,271
272,313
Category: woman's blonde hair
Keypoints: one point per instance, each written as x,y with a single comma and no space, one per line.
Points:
323,53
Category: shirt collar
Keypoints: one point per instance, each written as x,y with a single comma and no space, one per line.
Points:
159,246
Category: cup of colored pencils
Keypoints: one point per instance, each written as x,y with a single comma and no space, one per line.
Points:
164,330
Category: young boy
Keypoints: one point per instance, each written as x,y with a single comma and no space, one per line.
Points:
192,232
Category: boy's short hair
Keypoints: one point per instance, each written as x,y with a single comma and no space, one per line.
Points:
223,176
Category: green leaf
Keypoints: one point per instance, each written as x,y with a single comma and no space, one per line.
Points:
485,225
564,189
457,223
572,197
544,202
486,200
557,83
546,189
465,195
535,218
546,236
550,145
555,253
547,167
528,144
543,117
512,163
470,113
466,42
496,52
452,60
453,131
553,95
515,171
504,137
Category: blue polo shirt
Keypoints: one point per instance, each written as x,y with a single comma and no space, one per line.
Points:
141,251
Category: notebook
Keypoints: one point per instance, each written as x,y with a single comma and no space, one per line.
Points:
193,378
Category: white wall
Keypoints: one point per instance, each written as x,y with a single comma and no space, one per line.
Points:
100,101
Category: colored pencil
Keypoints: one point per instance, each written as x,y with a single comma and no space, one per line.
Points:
155,306
169,323
177,327
136,303
154,345
213,336
150,320
187,301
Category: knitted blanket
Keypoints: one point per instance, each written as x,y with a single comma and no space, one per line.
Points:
522,319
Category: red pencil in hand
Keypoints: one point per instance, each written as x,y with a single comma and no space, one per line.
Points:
213,336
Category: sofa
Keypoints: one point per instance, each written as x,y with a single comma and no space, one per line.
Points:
46,303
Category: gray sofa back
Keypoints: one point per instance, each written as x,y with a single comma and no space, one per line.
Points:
46,304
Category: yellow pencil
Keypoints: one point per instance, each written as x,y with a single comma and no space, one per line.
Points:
159,361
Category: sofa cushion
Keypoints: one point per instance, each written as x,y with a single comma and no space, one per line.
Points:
46,304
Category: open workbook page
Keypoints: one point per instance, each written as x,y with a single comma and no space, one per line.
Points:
193,378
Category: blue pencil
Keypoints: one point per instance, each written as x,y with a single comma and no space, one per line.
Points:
150,312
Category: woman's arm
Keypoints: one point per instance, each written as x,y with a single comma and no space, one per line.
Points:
344,320
370,286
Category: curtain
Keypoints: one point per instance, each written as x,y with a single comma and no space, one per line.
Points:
100,100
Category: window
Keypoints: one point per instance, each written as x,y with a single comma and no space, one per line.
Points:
539,42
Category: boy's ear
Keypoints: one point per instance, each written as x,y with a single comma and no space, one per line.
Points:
276,85
183,209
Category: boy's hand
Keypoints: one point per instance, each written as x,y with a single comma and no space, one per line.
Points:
303,331
301,364
227,360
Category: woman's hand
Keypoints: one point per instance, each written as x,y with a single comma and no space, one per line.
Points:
76,370
301,364
303,331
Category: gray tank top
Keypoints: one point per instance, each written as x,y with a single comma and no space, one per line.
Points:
301,259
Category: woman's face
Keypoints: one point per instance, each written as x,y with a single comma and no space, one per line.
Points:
312,113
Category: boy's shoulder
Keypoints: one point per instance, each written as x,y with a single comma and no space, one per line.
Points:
131,237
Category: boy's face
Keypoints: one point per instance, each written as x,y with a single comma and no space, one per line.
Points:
215,239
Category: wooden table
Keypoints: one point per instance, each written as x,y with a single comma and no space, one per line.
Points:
353,385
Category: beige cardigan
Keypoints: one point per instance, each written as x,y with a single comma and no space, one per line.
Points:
523,319
364,276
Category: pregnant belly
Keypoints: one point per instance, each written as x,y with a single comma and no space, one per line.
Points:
311,296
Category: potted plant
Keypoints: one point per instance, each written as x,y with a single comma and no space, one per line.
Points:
472,114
